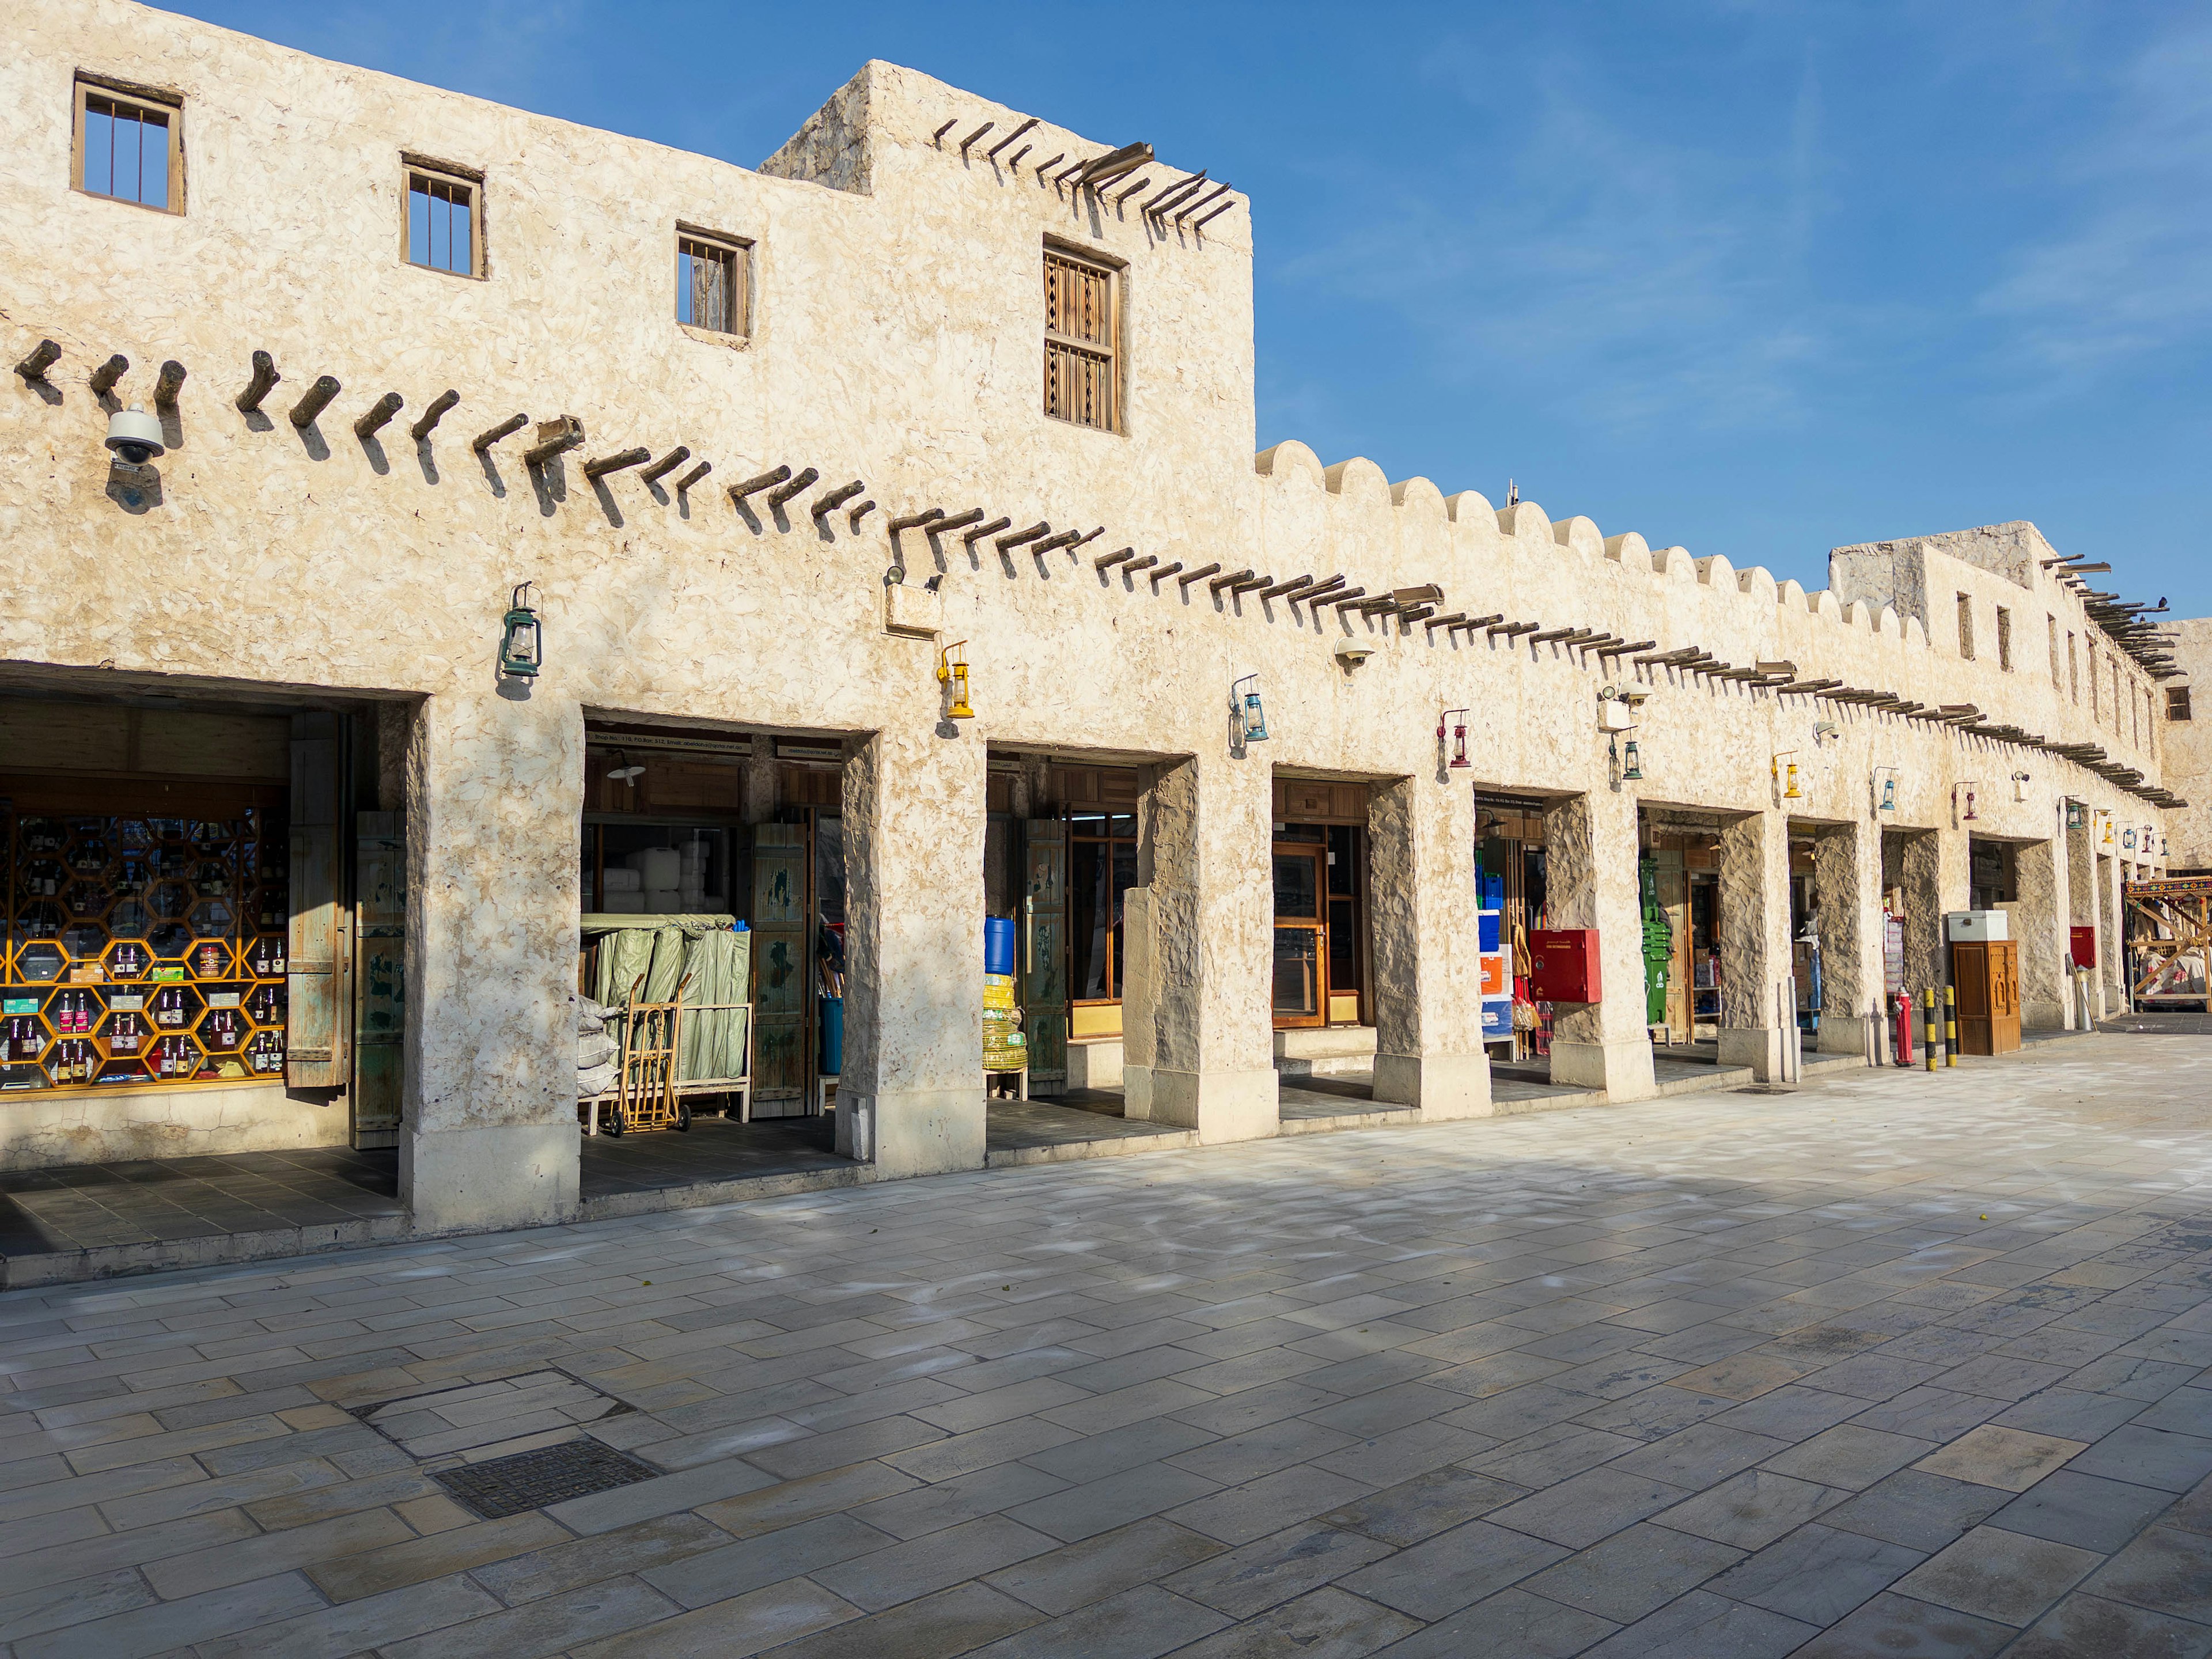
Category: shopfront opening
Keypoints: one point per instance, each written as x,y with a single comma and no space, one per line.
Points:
703,832
1318,856
201,905
1059,850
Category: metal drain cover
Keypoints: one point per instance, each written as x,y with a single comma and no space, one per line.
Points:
532,1480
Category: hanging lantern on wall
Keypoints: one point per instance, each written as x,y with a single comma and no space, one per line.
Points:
1458,735
954,672
1885,797
522,642
1963,799
1250,717
2077,815
1785,769
1635,772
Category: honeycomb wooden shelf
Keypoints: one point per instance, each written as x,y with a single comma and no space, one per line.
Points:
143,950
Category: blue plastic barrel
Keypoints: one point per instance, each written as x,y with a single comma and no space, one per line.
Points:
833,1036
998,944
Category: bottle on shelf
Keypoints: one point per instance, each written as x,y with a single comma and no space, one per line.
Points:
123,1037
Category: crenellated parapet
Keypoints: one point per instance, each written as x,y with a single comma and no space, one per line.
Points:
1886,633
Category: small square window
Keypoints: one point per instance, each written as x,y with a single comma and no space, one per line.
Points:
128,148
710,284
443,229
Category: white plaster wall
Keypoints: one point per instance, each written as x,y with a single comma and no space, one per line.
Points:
895,339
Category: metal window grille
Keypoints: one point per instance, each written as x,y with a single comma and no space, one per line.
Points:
709,286
1079,331
440,223
126,151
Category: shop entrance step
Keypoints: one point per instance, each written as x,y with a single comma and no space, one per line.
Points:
1325,1051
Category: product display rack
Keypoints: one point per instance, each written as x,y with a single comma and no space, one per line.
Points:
141,951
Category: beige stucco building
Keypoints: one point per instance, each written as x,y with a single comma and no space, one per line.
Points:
255,722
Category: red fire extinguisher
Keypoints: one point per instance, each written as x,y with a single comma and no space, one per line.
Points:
1903,1039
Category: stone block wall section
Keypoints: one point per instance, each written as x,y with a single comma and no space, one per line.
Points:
894,338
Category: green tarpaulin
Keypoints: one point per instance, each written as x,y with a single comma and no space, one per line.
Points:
714,1043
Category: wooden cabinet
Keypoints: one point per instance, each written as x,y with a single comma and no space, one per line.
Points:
1985,973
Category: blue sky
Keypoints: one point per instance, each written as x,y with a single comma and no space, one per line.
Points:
1760,279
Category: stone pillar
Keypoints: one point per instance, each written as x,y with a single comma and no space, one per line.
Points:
2082,907
1847,876
2038,922
760,782
1589,875
494,810
910,1100
1198,1048
1755,944
1426,970
2111,877
1936,879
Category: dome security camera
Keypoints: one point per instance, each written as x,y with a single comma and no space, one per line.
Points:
134,436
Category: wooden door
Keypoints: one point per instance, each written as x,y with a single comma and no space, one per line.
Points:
319,959
1040,971
380,976
781,982
1300,972
2004,996
1971,966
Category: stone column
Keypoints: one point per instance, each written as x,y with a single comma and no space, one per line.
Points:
1754,943
2039,921
1198,1047
1936,879
2082,907
2111,879
1589,875
1427,960
494,810
910,1100
1847,876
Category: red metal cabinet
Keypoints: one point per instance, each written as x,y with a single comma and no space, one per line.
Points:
2084,946
1563,965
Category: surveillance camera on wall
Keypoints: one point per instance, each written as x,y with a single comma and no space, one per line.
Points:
134,436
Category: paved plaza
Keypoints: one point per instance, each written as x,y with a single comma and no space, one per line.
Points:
1896,1365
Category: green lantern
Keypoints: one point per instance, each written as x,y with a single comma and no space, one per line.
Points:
522,640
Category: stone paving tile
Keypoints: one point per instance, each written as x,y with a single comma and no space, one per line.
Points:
1703,1625
1375,1392
1817,1574
2012,1459
2088,1627
1896,1627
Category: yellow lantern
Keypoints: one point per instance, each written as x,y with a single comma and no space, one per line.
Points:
1785,767
954,672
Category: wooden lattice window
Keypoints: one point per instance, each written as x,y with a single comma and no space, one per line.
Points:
1081,333
128,148
710,285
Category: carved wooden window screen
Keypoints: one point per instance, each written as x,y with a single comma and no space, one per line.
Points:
710,285
1079,342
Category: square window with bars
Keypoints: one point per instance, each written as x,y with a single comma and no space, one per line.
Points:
127,150
1081,331
710,285
441,224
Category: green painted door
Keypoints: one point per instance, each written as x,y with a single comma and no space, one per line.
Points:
780,980
1040,971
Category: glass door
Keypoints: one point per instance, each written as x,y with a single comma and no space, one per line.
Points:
1301,964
